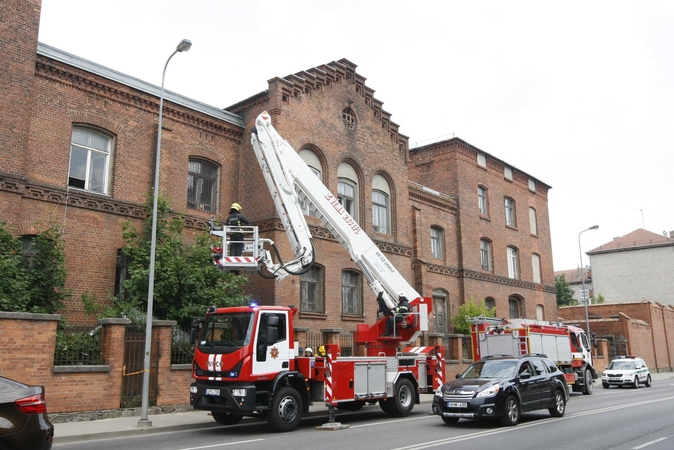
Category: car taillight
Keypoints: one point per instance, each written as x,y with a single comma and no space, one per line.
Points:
35,404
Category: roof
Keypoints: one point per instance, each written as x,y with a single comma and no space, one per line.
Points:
636,240
140,85
573,275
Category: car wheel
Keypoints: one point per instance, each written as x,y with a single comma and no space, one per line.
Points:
635,384
649,382
512,412
402,402
606,385
286,410
226,418
450,420
588,388
560,405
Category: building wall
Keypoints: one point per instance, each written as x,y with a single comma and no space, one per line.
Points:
634,274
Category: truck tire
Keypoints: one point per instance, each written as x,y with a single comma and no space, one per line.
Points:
286,410
402,402
512,412
226,418
587,380
560,405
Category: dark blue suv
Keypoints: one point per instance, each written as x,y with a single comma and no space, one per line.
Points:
503,387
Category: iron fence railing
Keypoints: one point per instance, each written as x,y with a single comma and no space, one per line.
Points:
182,351
77,346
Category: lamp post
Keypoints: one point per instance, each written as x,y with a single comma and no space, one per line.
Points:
144,422
582,275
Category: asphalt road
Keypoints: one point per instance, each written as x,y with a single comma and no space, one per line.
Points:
610,419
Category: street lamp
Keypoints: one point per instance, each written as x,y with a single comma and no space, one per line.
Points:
582,275
144,422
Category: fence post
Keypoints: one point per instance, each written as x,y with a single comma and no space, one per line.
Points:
112,353
162,334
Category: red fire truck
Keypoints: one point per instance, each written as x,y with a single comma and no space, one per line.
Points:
246,360
568,346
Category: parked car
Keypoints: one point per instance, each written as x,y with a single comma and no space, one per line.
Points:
503,387
24,423
626,371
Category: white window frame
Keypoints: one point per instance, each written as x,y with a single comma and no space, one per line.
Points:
314,163
437,242
95,178
482,200
510,212
440,302
486,254
513,263
380,212
347,189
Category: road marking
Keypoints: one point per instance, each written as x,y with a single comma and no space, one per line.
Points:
648,443
465,437
223,445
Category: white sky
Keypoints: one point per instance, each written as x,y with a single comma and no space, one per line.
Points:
578,94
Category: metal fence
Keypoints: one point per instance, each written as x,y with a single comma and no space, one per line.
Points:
315,340
182,351
77,346
133,369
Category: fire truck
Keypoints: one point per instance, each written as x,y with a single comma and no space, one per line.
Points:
246,360
567,345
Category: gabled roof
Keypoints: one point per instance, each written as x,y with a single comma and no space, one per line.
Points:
636,240
572,276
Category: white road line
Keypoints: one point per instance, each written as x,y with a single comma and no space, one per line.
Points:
223,445
648,443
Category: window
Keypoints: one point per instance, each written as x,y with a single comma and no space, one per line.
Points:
29,249
202,182
536,267
510,212
513,264
89,160
514,307
381,194
352,293
485,254
437,242
490,303
439,311
347,189
532,222
349,118
121,273
539,312
311,290
482,200
309,157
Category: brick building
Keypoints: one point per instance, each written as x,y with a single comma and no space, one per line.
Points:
77,146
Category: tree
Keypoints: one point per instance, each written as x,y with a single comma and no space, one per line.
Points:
35,284
564,292
186,280
598,300
470,309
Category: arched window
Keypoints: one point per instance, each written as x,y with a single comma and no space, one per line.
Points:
202,185
381,211
89,160
347,189
514,309
311,290
490,303
440,301
483,201
536,267
314,163
352,293
540,312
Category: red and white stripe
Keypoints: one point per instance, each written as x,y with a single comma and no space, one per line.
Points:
239,260
214,365
328,380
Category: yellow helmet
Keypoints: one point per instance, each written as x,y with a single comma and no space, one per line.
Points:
236,206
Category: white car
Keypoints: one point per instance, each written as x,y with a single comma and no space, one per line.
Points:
626,371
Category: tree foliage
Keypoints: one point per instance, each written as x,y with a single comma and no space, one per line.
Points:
36,284
186,280
470,309
564,292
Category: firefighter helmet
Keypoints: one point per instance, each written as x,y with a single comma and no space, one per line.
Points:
236,206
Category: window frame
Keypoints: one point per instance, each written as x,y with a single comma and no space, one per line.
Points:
193,178
483,200
536,268
352,293
440,322
486,252
510,212
437,242
381,211
351,201
91,152
533,221
512,255
318,285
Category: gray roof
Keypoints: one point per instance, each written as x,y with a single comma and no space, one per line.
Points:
135,83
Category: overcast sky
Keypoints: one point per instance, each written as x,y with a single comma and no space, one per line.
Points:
577,94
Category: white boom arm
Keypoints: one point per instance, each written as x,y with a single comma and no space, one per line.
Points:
290,180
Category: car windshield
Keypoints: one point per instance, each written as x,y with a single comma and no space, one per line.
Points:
621,365
491,369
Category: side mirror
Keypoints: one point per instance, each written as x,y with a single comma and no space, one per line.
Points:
525,376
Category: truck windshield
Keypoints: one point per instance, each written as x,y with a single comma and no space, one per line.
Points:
227,330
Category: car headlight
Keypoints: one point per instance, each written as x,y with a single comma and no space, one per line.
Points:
489,392
438,392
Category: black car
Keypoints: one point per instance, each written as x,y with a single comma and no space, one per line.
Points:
23,417
503,387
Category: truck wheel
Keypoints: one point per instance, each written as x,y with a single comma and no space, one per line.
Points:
560,405
649,382
286,410
402,402
587,379
512,412
226,418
